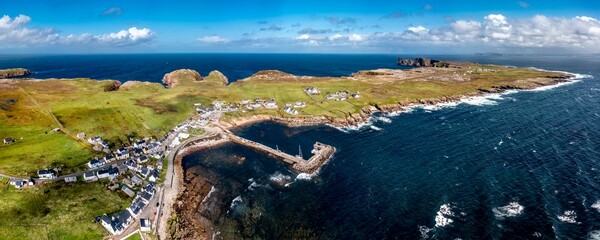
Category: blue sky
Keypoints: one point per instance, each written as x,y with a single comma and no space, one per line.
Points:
375,26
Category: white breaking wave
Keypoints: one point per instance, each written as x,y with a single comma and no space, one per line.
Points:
594,235
384,119
569,216
513,209
304,176
280,178
212,190
596,205
424,232
237,200
442,217
376,128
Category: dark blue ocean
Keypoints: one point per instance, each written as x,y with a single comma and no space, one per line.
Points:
525,165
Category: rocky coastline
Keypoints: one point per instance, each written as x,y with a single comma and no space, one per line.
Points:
353,120
14,73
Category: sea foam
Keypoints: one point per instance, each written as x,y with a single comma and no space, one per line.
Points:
237,200
442,218
513,209
280,179
568,216
596,205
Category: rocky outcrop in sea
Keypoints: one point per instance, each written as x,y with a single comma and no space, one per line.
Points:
421,62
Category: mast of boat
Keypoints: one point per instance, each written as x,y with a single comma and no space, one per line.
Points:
277,146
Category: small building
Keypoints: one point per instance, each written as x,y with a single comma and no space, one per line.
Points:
145,225
290,110
18,183
9,140
143,159
144,172
109,158
312,90
56,130
113,173
153,176
137,180
145,197
137,152
71,179
95,163
114,227
183,135
271,104
90,176
104,173
46,174
128,191
81,136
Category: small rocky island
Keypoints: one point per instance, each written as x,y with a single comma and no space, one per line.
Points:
14,73
422,62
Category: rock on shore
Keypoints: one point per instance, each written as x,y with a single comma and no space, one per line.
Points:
14,72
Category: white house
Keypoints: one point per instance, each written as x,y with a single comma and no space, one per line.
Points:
95,163
290,110
271,104
312,90
153,176
18,183
145,225
90,176
46,174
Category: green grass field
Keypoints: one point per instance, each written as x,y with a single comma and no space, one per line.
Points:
56,211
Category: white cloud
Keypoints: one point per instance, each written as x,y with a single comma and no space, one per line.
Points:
303,37
127,37
355,37
213,39
418,29
496,30
334,37
15,33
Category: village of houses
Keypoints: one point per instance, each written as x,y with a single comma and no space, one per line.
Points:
258,103
135,169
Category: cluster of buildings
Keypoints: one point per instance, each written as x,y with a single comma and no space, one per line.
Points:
118,222
312,91
342,95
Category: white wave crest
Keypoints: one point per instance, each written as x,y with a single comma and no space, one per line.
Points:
212,190
513,209
376,128
594,235
442,217
304,176
424,231
237,200
568,216
596,205
280,179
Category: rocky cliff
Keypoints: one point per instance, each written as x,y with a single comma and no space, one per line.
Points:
175,77
14,72
421,62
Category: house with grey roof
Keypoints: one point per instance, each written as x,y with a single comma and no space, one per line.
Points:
90,176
